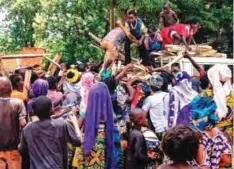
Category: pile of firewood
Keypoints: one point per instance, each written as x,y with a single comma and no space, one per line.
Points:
196,51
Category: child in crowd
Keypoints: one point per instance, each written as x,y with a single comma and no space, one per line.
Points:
137,155
180,145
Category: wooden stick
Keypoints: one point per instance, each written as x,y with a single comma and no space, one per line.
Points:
174,60
28,74
52,67
55,63
22,56
98,40
127,32
2,69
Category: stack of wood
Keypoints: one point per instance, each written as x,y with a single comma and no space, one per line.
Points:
196,51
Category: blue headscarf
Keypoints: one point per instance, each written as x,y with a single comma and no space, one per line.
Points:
203,112
99,109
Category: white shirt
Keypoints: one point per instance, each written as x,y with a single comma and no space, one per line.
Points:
155,106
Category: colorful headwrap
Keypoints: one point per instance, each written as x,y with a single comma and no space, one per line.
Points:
105,74
203,113
181,76
72,75
121,95
99,110
156,82
142,90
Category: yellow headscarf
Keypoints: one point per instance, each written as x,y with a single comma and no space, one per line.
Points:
75,76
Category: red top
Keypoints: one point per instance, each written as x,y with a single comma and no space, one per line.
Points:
179,28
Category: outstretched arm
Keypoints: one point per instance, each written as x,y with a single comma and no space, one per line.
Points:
124,71
199,69
131,90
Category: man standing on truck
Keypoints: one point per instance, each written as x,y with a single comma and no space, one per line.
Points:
167,17
138,30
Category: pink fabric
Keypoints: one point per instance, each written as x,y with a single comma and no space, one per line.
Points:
54,95
87,80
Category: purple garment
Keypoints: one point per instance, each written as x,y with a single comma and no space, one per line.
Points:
99,110
214,149
184,116
39,88
171,115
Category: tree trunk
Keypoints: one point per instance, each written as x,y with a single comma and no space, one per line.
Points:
218,27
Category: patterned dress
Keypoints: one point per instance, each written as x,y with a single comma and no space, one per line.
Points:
96,160
214,149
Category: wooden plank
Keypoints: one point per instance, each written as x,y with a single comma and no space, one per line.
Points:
27,79
52,67
23,56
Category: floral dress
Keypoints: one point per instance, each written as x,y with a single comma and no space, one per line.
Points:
96,159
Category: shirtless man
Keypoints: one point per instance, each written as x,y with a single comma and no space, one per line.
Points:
168,17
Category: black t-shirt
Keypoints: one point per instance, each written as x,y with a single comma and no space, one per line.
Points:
137,151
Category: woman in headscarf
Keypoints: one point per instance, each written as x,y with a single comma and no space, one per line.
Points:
98,146
71,84
214,149
39,88
87,81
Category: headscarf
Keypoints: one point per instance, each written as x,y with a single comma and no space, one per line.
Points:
99,109
87,80
121,95
142,91
72,75
105,74
156,82
39,88
220,91
203,112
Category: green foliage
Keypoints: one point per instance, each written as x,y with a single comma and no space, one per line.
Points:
62,25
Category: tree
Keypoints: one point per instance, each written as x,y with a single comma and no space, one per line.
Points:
20,15
62,25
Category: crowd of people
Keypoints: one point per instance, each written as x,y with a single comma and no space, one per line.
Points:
97,118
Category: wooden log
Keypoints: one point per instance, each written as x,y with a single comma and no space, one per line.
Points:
27,79
98,40
177,58
55,63
52,67
22,56
2,69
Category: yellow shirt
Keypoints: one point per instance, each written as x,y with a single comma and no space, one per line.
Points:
18,95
